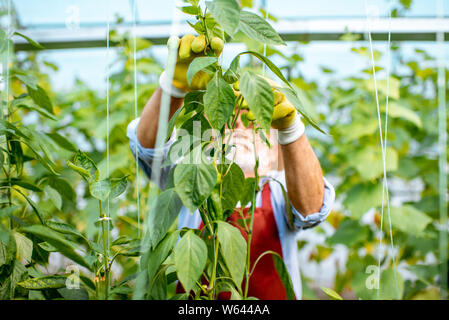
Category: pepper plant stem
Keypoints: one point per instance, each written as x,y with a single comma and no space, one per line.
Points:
105,255
253,205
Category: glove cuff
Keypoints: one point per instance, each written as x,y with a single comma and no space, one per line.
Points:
291,133
167,86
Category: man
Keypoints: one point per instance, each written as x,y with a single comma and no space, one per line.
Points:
291,163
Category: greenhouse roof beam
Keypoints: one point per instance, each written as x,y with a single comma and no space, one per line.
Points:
402,29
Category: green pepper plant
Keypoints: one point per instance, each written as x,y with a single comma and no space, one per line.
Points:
214,258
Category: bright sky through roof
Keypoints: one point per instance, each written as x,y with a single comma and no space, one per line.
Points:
89,64
44,12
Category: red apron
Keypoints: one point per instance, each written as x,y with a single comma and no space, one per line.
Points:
265,283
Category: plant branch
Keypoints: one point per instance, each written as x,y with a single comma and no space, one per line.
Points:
253,205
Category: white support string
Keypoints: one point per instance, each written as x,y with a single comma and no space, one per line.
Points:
442,160
383,144
135,116
387,192
7,60
107,119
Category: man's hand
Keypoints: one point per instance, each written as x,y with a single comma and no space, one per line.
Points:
284,113
189,48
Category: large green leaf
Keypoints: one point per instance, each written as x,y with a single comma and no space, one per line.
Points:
259,29
269,64
41,98
24,246
288,206
54,196
227,14
31,41
391,285
62,141
8,287
21,182
233,247
409,219
30,105
85,166
172,122
158,285
247,192
46,282
365,285
62,186
118,186
8,127
100,189
34,206
28,79
397,110
38,144
193,100
199,64
219,101
158,255
164,210
233,73
8,251
425,272
349,233
194,183
259,96
6,211
190,259
66,228
55,239
393,87
356,130
198,118
74,294
362,197
193,10
283,273
368,161
16,157
228,286
63,228
232,185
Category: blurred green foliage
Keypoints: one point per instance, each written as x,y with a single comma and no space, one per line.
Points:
350,155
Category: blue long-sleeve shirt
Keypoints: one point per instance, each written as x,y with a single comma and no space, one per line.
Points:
287,232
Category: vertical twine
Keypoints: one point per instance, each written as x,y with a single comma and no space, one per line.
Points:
442,160
383,142
135,116
107,128
7,61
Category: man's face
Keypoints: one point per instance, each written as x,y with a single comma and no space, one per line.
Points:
244,155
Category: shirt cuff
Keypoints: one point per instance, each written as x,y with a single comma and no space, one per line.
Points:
315,219
147,154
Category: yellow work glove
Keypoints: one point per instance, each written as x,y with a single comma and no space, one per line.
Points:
284,113
189,48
